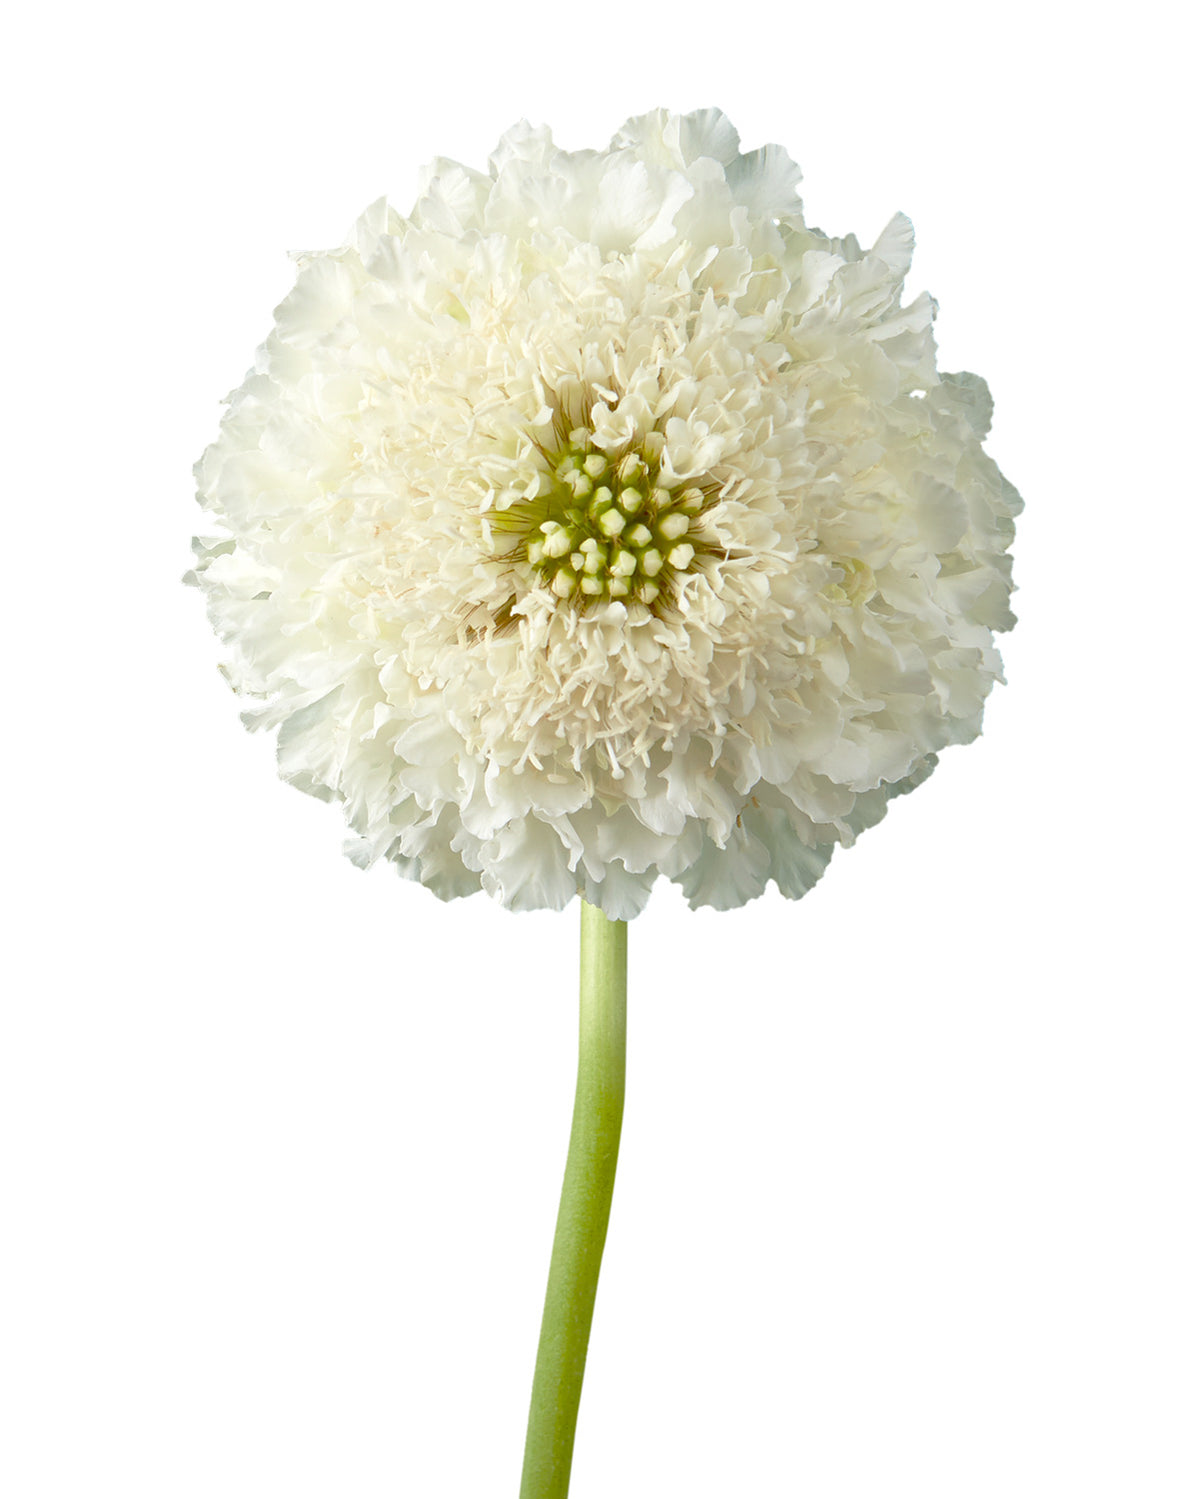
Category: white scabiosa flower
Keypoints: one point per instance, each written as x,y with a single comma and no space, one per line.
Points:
600,520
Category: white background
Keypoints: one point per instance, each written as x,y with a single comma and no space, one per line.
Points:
907,1204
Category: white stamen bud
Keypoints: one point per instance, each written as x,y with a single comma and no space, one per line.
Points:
558,541
595,464
612,522
674,525
661,499
681,555
648,592
630,501
625,566
618,587
639,536
564,583
690,500
652,562
536,551
591,586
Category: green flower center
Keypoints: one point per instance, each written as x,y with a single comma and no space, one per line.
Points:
608,527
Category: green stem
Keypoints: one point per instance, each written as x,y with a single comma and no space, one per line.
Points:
583,1209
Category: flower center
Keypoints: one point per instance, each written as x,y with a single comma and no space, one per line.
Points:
607,526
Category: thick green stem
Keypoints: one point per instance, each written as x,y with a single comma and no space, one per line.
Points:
583,1210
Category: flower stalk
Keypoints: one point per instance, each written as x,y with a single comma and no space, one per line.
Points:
583,1209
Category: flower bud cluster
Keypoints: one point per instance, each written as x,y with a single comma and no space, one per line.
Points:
612,530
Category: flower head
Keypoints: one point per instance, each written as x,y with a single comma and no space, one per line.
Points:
601,520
